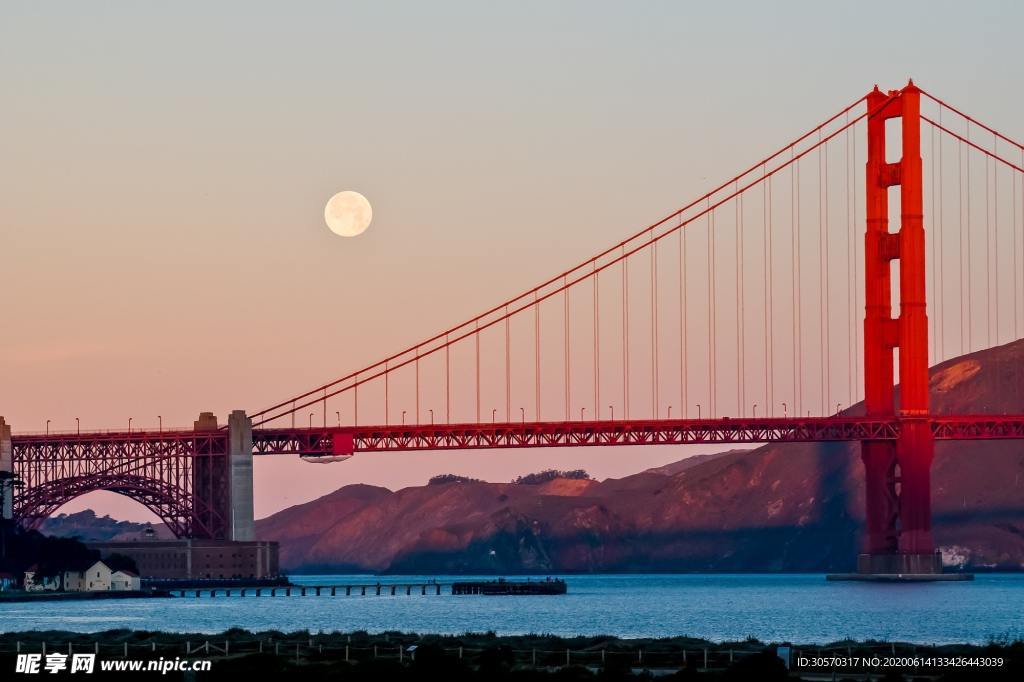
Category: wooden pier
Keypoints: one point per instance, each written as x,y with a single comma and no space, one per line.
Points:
483,587
502,587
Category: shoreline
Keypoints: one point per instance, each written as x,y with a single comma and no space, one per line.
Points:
27,597
553,572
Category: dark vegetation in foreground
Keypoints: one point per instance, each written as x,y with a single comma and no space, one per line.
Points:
24,549
396,655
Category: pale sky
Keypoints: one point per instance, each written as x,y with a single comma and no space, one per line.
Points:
164,169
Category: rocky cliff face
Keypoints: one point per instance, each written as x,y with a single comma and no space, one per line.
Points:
779,507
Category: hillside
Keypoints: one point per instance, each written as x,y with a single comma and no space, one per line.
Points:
88,527
786,507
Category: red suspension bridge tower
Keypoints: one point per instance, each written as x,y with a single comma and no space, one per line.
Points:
897,472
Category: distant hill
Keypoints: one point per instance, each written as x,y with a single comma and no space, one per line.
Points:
784,507
91,528
682,465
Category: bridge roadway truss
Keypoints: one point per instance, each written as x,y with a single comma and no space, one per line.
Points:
39,456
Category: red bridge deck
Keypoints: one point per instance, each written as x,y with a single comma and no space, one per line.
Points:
325,441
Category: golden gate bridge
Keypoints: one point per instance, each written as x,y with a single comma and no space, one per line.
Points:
730,320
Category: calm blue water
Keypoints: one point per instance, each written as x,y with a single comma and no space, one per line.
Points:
798,608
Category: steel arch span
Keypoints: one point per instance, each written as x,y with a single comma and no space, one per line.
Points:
182,477
160,497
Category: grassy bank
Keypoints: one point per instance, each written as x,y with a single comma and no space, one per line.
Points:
360,655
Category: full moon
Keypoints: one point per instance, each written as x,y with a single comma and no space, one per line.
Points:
348,214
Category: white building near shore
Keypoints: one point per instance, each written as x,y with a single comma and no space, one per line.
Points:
97,578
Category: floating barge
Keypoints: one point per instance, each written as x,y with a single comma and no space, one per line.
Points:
508,587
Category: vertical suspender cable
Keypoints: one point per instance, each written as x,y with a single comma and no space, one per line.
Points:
770,407
682,320
742,335
849,271
625,334
795,284
597,342
935,258
1016,268
995,229
857,326
970,305
828,295
508,368
476,340
654,328
711,310
988,262
821,287
739,301
797,297
447,380
939,238
765,246
960,212
568,364
536,356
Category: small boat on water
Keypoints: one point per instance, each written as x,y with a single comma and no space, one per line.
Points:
510,587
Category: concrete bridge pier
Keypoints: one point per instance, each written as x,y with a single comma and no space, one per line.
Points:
240,476
222,483
6,471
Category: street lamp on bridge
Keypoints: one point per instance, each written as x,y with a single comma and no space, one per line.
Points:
78,426
785,411
47,427
338,413
755,410
698,410
129,424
